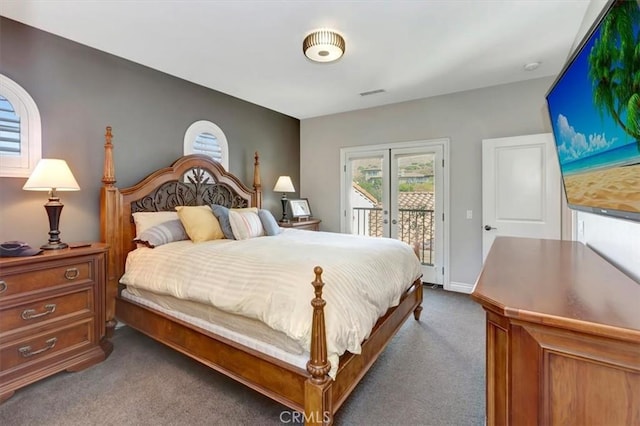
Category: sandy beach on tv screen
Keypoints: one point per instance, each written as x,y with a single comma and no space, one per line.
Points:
616,188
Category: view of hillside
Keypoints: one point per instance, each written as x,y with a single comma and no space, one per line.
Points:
415,174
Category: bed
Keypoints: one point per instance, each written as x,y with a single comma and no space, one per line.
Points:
314,386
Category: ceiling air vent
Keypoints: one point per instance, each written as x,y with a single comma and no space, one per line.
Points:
372,92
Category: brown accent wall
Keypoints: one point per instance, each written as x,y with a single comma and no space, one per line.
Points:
80,90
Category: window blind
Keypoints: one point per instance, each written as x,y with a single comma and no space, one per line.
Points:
9,128
207,144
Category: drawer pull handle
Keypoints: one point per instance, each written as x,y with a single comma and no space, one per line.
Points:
26,352
71,273
3,286
28,314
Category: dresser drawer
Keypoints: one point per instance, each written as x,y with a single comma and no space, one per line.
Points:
16,318
45,346
73,271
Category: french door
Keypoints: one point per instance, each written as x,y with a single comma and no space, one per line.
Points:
398,192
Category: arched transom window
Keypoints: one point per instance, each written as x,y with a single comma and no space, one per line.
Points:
20,130
204,137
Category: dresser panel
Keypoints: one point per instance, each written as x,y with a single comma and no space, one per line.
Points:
582,391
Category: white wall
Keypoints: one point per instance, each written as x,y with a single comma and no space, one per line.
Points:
466,118
616,240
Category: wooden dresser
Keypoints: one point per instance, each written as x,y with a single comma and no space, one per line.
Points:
52,314
309,224
563,336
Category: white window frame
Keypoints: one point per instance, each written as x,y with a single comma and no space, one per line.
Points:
30,131
205,126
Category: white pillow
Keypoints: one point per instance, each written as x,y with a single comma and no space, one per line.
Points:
145,220
245,223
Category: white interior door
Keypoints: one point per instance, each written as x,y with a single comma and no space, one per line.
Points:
521,189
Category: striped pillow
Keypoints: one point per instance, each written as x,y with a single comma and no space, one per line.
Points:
245,223
163,233
145,220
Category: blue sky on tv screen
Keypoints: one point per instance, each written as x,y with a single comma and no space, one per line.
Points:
585,138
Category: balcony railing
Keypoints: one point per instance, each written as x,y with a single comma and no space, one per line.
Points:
414,226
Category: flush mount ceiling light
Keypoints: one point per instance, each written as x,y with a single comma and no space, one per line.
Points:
531,66
323,46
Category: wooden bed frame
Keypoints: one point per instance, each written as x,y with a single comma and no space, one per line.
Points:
310,391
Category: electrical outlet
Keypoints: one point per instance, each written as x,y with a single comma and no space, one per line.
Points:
469,214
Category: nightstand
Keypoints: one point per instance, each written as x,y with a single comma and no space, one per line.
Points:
308,225
52,314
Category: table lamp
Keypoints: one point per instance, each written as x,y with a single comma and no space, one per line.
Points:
284,185
52,175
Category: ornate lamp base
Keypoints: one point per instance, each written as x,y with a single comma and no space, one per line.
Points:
284,200
54,209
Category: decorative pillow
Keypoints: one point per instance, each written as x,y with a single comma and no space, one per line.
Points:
245,223
222,214
145,220
200,223
269,222
164,233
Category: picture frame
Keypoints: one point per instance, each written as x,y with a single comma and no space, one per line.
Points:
299,208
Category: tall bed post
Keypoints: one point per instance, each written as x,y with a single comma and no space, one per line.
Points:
257,183
110,211
317,388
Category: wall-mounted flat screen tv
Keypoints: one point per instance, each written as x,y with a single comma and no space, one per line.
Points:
594,107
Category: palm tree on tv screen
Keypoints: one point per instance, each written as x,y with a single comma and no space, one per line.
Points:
614,66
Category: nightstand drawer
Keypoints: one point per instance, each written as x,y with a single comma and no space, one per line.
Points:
24,282
46,345
16,318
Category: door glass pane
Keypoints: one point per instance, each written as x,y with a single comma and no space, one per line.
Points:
366,196
415,200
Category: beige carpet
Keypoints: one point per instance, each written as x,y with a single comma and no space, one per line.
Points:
432,373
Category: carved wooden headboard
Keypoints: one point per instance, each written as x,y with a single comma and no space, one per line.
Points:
191,180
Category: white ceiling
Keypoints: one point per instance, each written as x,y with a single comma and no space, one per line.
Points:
253,49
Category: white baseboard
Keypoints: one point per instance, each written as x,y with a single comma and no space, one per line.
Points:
460,287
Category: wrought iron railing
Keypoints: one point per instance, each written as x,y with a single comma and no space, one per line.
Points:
414,226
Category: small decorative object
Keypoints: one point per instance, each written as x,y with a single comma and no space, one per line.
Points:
300,208
17,249
284,185
52,175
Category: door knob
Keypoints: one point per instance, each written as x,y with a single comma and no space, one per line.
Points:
394,221
489,228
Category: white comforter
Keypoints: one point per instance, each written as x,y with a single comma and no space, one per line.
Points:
269,279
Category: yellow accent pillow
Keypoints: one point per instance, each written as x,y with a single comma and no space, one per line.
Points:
200,223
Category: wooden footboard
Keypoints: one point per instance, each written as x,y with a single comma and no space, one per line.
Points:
311,392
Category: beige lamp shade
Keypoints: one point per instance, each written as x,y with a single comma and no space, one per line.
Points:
284,184
51,174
